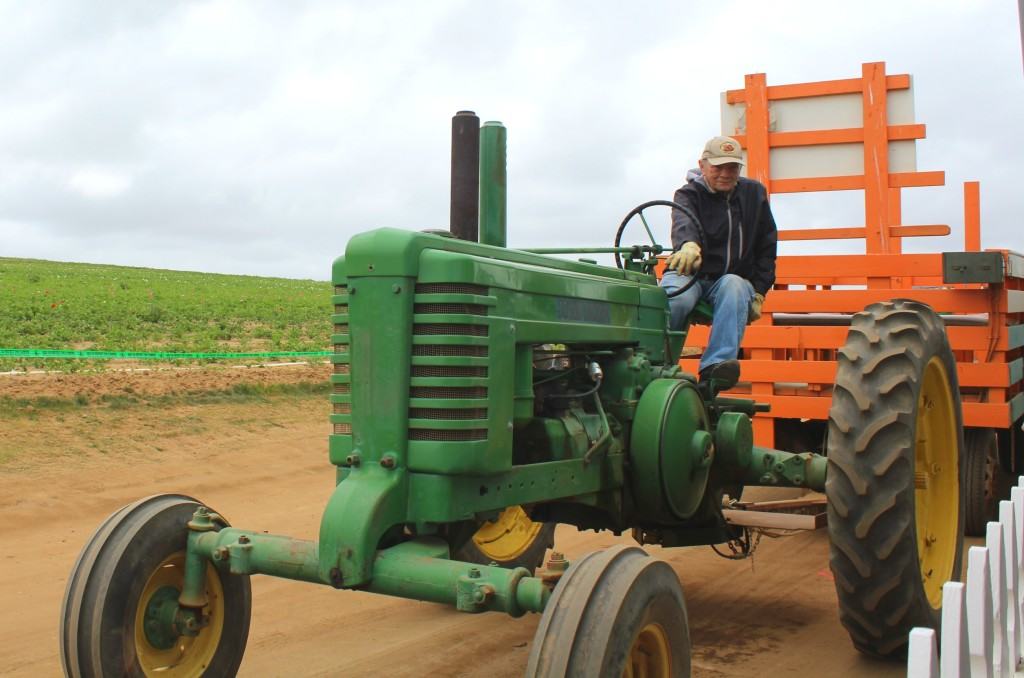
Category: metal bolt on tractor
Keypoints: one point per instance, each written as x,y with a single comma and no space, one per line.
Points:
483,394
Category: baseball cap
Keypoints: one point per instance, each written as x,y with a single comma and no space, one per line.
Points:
720,150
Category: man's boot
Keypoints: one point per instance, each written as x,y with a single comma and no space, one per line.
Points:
720,376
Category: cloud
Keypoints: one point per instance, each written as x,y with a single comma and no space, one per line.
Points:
100,184
257,137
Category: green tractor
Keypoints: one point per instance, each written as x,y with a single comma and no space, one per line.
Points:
483,394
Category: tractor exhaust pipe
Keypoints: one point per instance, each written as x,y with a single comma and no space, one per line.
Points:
465,205
493,181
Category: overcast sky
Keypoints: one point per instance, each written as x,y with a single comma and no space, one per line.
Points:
257,137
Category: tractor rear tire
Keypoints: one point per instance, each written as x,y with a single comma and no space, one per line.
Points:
511,540
135,557
616,612
895,475
986,482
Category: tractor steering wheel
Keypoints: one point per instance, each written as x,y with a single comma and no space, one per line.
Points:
639,210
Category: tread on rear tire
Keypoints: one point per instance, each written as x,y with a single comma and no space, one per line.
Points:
895,475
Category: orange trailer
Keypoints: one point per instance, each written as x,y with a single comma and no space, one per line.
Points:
789,356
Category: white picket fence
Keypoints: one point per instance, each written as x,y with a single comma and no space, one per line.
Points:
982,631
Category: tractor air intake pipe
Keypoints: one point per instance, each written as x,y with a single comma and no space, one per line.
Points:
465,206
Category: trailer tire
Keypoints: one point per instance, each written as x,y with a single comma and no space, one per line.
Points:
511,540
615,612
986,483
895,475
132,559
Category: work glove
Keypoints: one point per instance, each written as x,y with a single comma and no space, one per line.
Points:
686,260
755,307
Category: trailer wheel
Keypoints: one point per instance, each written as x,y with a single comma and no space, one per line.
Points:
616,612
895,512
511,540
986,483
130,565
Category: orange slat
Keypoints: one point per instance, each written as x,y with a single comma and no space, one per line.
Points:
876,159
850,233
983,374
856,232
821,88
851,182
919,230
895,217
906,132
797,407
993,375
846,135
758,158
794,266
800,371
972,216
791,337
777,337
837,183
852,301
912,179
994,415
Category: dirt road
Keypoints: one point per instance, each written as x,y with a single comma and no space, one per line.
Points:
264,465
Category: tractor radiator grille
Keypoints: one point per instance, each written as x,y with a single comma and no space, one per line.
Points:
446,414
341,388
448,392
422,329
461,309
449,350
451,288
447,434
448,371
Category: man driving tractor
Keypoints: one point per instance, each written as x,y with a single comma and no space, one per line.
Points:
725,237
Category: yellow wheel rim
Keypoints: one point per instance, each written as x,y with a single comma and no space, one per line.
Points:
936,481
507,537
190,655
650,656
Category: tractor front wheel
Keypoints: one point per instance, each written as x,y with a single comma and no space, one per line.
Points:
895,477
616,612
128,575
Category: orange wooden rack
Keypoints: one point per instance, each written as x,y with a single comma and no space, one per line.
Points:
791,364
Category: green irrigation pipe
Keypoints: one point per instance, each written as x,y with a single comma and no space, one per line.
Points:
142,355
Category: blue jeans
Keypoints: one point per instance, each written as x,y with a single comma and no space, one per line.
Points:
730,296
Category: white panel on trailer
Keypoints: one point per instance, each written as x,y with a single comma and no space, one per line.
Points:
834,111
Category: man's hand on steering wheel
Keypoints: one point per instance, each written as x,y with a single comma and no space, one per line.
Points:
685,261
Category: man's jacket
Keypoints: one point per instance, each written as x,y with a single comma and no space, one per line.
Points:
736,231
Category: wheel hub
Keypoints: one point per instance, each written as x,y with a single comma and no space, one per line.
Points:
936,481
160,647
159,619
651,654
